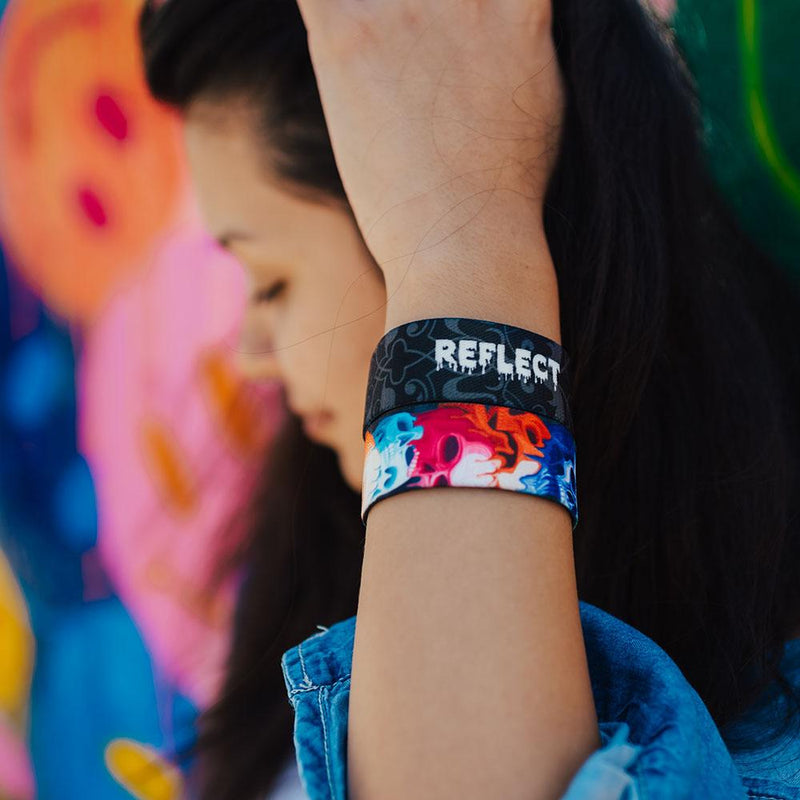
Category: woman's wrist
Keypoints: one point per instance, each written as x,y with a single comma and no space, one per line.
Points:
497,267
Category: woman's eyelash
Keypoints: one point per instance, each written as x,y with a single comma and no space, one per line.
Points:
265,295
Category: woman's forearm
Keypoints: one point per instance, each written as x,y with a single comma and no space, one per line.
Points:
469,675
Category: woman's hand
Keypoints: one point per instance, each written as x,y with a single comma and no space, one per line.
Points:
433,107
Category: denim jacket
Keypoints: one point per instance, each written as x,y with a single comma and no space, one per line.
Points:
659,741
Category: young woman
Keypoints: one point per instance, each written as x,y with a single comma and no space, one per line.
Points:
684,394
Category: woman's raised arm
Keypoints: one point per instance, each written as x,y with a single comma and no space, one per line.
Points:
469,677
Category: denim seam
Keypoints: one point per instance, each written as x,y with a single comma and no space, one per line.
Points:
758,796
325,743
313,687
306,680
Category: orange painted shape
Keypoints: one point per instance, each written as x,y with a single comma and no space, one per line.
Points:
239,411
169,467
92,167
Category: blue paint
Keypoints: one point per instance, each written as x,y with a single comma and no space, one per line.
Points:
75,506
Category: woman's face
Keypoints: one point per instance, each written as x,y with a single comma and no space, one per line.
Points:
309,272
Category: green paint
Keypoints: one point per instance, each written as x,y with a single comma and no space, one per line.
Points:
762,128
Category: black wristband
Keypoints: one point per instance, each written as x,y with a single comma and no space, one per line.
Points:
478,361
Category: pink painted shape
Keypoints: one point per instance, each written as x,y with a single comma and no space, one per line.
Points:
92,207
16,775
111,117
663,8
140,361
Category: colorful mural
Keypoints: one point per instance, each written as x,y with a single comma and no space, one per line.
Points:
127,439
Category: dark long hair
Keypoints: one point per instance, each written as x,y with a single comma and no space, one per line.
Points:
685,382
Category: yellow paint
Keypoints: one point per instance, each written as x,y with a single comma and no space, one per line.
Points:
16,644
141,771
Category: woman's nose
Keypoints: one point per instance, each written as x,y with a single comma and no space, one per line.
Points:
257,366
255,354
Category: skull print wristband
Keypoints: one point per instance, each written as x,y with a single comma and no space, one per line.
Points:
466,402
